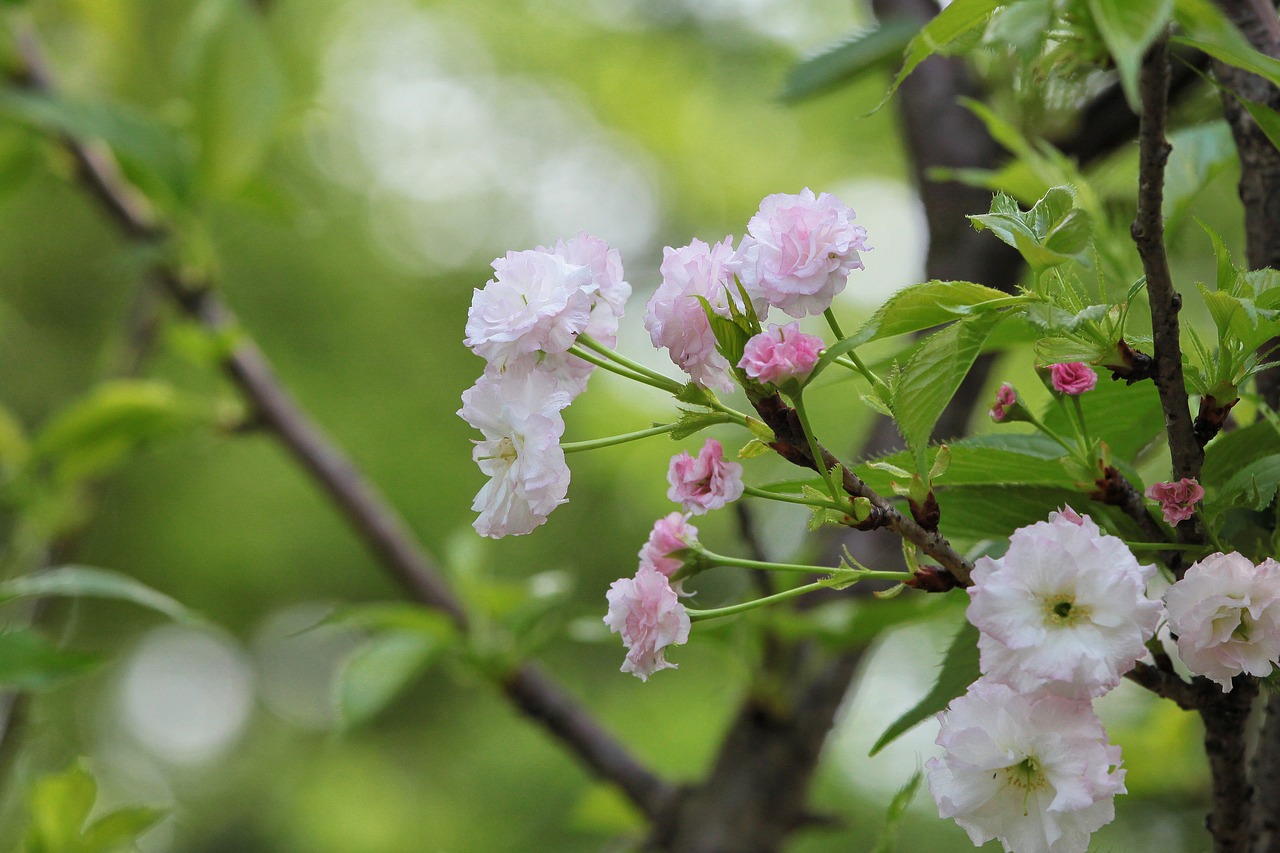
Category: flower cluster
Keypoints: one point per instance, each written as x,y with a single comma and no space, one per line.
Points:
1062,616
523,323
1177,500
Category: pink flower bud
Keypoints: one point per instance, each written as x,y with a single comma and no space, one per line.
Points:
1177,500
670,534
781,353
1073,378
1006,397
706,482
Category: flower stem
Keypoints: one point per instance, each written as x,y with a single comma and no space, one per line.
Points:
733,609
613,355
665,385
610,441
788,499
742,562
853,360
835,326
835,493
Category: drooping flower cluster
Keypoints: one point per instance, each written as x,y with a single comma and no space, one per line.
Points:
523,323
798,254
1225,612
1062,616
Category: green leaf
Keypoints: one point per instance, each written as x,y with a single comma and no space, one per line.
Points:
1052,232
731,337
1206,29
86,582
1128,28
1253,486
1126,417
958,19
115,830
379,670
29,662
1232,451
971,514
858,54
959,670
931,376
692,422
896,812
117,418
59,806
1200,153
996,459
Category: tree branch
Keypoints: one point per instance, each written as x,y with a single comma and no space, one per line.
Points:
373,519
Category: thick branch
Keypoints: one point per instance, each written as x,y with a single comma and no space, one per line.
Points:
1225,723
373,519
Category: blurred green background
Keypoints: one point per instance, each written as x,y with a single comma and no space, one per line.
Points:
346,169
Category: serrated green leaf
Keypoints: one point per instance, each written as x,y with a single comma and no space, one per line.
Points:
1052,318
86,582
941,463
955,21
1057,350
753,448
1252,487
930,378
1126,417
975,513
29,662
874,403
731,338
117,418
1128,28
856,55
692,422
996,459
379,670
1232,451
1052,232
959,670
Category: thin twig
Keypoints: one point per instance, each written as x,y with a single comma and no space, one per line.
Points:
374,520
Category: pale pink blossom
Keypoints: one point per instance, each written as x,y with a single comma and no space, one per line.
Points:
1064,610
1177,500
670,534
800,251
535,303
1073,378
518,411
1006,398
609,295
1066,513
706,482
780,353
1035,771
674,315
1225,613
646,611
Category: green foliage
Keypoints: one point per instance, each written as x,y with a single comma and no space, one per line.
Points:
60,805
1252,487
948,27
29,662
1233,451
1129,27
1205,28
1127,418
692,422
871,50
896,812
1053,232
87,582
996,459
959,670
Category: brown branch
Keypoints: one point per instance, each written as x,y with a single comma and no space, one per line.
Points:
373,519
1167,685
1226,717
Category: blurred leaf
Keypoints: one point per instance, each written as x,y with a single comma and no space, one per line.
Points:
871,50
239,95
98,432
605,810
1200,153
152,154
997,459
29,662
395,616
379,670
120,828
959,670
975,513
896,812
1207,29
14,447
1129,27
959,18
60,804
930,378
86,582
1232,451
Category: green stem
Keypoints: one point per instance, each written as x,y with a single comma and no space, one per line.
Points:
1161,546
742,562
831,321
854,361
666,385
814,449
788,499
1079,418
614,355
610,441
700,615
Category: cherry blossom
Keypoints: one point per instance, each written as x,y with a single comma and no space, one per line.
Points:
670,534
800,251
1035,771
518,411
1177,500
1006,398
1073,378
1225,613
1065,609
780,353
706,482
646,611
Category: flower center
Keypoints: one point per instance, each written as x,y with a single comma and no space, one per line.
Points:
507,450
1026,776
1062,610
1241,632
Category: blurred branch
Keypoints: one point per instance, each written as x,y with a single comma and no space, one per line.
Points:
373,519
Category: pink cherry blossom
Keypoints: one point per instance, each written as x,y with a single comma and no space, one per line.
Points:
1035,771
706,482
800,251
1006,397
518,411
671,533
675,317
646,611
1177,500
1064,610
1073,378
535,303
1226,614
781,353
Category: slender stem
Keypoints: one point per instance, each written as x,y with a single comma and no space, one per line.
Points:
1086,442
788,499
614,355
835,326
832,489
610,441
604,363
1161,546
701,615
854,361
742,562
